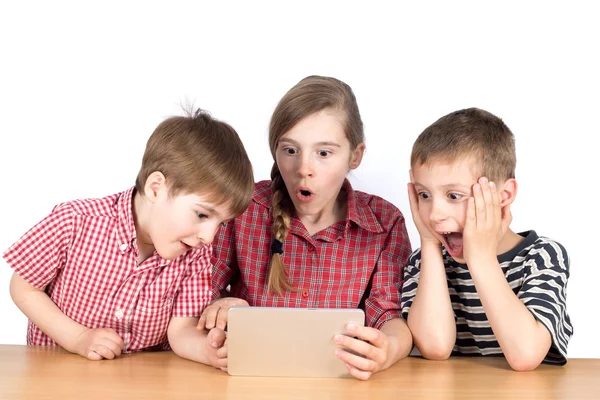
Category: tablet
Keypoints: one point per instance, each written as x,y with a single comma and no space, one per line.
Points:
293,342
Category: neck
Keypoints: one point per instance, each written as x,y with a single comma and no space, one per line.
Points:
334,212
509,241
144,242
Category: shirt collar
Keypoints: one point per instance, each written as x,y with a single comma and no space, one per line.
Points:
126,227
359,210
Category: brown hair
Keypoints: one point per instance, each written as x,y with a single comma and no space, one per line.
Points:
471,132
311,95
199,154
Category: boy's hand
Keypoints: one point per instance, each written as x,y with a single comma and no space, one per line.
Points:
486,223
215,314
372,350
216,348
99,343
424,230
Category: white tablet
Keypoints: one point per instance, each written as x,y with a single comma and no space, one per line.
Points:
278,341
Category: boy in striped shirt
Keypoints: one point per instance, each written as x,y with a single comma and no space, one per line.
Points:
475,287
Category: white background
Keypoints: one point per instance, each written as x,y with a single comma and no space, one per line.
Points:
83,85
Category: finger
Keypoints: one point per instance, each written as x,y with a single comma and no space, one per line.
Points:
487,201
413,201
356,361
366,333
92,355
479,206
357,373
111,345
211,315
471,219
222,351
103,351
216,338
114,336
222,315
201,321
363,350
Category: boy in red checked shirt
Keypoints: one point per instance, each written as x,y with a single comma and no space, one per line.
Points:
308,239
475,287
131,271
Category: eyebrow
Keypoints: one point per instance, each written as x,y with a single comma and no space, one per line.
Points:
287,140
448,185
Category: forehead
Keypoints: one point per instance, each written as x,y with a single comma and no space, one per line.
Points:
440,172
323,126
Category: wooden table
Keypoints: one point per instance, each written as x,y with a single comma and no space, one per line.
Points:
51,373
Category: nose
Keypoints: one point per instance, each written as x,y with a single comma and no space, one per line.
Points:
206,234
305,166
437,213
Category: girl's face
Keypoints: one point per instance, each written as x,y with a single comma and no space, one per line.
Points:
314,158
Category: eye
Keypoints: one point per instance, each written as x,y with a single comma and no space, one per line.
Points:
455,196
423,195
201,215
290,150
323,153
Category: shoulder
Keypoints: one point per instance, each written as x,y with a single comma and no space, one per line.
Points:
93,207
382,210
262,194
542,252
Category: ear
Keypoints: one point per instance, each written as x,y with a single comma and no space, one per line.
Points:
508,192
357,155
156,186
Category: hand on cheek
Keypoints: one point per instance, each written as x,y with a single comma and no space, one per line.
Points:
485,224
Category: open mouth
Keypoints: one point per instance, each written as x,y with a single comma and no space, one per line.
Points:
185,246
304,194
453,242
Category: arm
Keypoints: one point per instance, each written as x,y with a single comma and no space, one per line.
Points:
200,346
524,340
430,316
93,344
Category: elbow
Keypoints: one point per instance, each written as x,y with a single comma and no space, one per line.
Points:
437,350
524,362
436,353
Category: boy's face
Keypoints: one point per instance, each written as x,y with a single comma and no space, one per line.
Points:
443,191
314,158
178,224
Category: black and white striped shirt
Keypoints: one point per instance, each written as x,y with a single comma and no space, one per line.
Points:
537,271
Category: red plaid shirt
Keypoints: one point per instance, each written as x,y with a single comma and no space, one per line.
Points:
85,256
355,263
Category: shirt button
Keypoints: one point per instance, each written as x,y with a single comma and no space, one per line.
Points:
123,247
119,314
305,293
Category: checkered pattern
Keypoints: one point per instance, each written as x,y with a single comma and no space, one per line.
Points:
355,263
85,256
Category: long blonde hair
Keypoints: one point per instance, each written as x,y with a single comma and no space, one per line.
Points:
312,94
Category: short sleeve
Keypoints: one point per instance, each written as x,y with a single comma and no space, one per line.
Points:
195,290
412,272
544,292
41,252
383,302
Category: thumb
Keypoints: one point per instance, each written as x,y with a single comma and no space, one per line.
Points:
216,337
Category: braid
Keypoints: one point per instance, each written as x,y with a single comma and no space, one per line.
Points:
281,224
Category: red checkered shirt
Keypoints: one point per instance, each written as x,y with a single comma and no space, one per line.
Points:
85,256
355,263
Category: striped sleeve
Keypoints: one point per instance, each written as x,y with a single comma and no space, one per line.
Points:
412,271
544,294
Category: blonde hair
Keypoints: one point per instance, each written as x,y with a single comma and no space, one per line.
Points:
311,95
199,154
471,132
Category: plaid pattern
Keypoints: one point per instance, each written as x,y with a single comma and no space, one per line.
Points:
355,263
85,256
